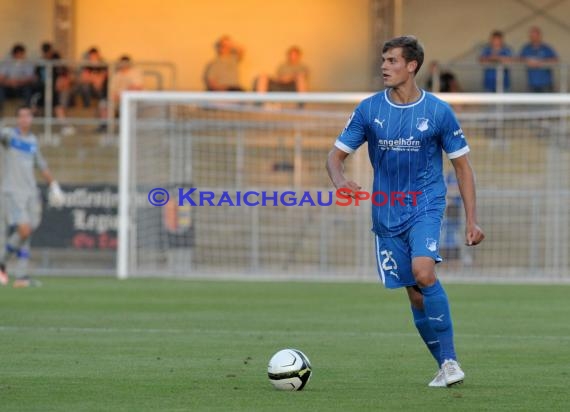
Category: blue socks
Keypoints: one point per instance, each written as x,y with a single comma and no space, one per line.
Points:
436,308
427,334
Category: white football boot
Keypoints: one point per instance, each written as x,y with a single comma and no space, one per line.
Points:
452,372
438,381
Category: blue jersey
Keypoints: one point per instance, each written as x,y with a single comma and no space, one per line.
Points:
490,73
539,76
405,144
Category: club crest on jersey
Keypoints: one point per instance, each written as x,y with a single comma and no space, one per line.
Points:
422,124
431,244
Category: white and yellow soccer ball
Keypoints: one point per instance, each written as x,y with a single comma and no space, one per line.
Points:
289,370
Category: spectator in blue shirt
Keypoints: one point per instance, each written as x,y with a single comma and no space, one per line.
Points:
538,56
496,51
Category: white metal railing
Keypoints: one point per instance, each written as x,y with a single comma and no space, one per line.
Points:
472,74
163,75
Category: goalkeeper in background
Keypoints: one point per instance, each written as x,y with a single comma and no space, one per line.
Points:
20,207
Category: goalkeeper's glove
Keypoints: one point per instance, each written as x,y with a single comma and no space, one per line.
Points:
56,195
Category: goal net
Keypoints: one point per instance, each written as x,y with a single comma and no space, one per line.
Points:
248,194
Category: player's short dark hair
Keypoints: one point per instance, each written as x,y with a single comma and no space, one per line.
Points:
411,49
18,48
497,33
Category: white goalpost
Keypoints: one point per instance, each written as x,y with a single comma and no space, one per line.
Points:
216,154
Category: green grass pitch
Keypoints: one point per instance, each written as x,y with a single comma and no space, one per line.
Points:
150,345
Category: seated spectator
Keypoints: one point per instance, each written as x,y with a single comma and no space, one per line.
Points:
499,53
538,56
292,75
61,87
447,80
92,78
46,51
17,76
222,73
37,99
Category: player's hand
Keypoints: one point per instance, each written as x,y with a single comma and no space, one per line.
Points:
473,234
348,188
56,195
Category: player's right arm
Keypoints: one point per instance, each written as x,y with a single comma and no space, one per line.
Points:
351,138
335,169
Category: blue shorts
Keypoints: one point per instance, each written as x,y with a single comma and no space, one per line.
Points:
394,254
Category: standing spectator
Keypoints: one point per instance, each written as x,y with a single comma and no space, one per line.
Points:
292,75
222,73
93,78
496,52
17,76
127,77
538,56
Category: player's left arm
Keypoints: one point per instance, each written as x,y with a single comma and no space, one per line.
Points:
455,145
466,182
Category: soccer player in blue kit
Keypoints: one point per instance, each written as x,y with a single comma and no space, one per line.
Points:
407,129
